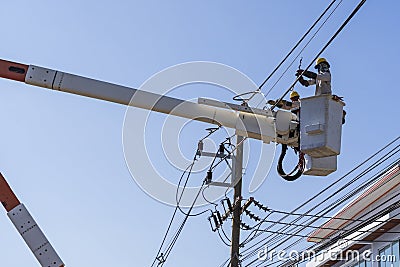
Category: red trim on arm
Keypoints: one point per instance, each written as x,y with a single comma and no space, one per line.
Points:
12,70
7,196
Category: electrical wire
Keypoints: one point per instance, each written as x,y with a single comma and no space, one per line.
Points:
229,153
342,237
271,238
172,218
323,49
177,207
222,239
303,48
172,244
292,50
204,197
303,228
336,182
298,231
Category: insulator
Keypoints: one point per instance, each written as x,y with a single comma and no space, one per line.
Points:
209,176
215,220
264,209
245,226
212,227
200,145
219,217
221,148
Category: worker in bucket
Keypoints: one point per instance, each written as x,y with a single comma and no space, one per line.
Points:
322,79
295,98
293,105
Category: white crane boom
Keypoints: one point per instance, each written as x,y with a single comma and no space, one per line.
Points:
319,126
28,228
247,124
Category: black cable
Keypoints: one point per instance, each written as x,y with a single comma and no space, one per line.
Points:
172,244
371,219
178,208
330,186
172,219
344,199
204,197
311,215
296,233
336,182
229,153
298,170
323,49
333,240
270,237
302,49
317,227
296,45
184,186
222,239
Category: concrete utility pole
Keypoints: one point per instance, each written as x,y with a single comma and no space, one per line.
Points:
237,196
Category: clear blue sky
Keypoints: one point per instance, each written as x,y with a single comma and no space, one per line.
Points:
63,154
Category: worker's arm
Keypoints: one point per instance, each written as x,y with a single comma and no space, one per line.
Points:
306,83
311,81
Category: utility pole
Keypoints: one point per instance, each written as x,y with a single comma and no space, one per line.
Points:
237,197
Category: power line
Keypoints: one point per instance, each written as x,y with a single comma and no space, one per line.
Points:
357,228
172,244
323,49
316,227
330,196
330,186
161,257
298,231
304,47
296,45
171,220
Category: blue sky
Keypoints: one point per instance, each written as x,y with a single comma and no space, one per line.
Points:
63,154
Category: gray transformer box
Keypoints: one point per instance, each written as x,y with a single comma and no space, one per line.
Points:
320,126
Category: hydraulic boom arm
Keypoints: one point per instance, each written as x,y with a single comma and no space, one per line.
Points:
27,227
319,126
252,124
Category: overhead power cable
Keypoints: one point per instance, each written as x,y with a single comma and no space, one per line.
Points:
332,242
291,51
161,257
296,45
305,226
331,186
302,49
326,190
297,231
346,232
323,49
329,241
